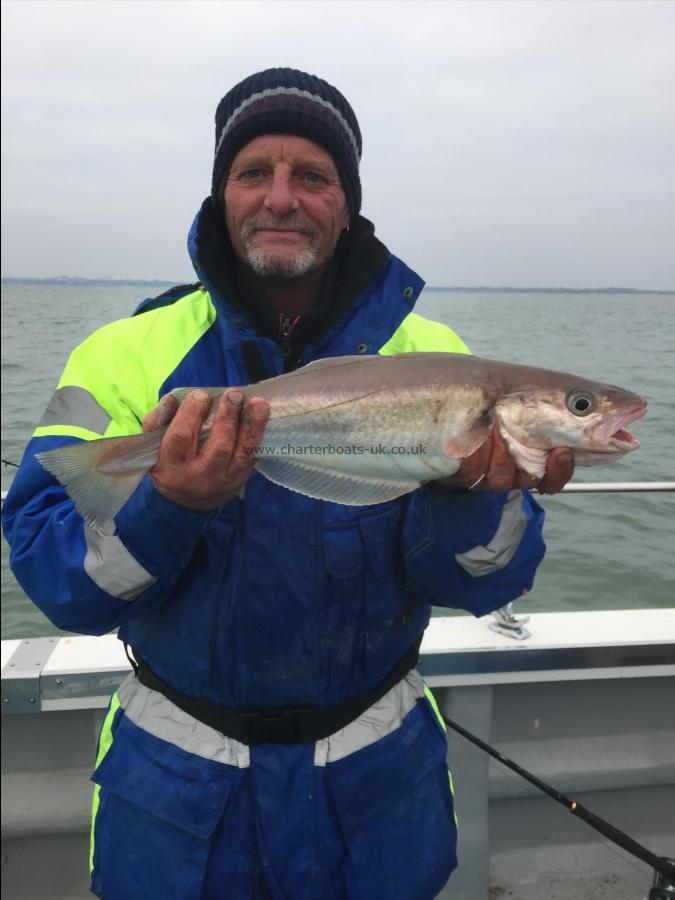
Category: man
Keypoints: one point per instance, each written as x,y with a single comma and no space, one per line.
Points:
275,740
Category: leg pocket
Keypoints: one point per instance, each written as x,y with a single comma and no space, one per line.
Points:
394,806
158,807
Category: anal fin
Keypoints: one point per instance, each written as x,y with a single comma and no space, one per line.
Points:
352,490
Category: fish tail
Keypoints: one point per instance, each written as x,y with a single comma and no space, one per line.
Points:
100,475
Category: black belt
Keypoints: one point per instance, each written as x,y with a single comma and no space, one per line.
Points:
294,724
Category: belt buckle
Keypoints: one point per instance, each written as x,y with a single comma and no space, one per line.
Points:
301,714
274,725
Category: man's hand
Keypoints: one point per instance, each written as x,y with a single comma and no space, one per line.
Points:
201,476
492,468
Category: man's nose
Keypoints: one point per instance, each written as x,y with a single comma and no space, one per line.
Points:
280,198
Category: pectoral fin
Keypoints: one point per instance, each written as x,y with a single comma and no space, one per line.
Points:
468,442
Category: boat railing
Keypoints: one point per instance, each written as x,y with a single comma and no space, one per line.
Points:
616,487
594,487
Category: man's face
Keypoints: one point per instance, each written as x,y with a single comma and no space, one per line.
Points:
284,205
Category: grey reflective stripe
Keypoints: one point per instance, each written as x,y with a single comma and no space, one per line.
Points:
375,723
499,552
152,712
112,568
75,406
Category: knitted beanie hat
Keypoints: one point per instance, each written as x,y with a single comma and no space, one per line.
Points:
286,101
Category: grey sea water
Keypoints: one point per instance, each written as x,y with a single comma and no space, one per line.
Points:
613,551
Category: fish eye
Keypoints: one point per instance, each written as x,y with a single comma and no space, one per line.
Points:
580,403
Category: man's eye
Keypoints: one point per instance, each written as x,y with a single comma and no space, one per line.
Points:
252,173
313,177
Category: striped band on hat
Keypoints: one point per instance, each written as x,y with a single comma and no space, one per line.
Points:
264,101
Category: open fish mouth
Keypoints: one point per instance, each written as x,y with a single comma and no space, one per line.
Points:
613,437
623,441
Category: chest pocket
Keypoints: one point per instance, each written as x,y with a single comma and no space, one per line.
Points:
387,604
344,555
342,623
363,604
195,610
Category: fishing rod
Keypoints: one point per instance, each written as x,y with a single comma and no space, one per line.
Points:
664,868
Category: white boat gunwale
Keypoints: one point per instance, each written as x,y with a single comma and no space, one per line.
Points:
81,672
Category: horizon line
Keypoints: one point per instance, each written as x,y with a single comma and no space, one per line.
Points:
77,279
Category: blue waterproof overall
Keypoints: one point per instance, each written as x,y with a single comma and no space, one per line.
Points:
272,599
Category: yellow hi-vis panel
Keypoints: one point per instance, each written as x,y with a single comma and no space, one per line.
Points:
124,364
434,705
416,334
104,744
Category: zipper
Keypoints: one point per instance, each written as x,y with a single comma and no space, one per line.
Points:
286,326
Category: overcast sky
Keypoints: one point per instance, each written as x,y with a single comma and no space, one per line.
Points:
505,143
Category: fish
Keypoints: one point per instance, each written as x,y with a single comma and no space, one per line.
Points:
362,430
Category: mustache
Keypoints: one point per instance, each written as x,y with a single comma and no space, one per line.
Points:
257,223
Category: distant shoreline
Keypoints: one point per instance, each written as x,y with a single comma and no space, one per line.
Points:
142,282
546,290
96,282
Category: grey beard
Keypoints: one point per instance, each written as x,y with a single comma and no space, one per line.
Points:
265,265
